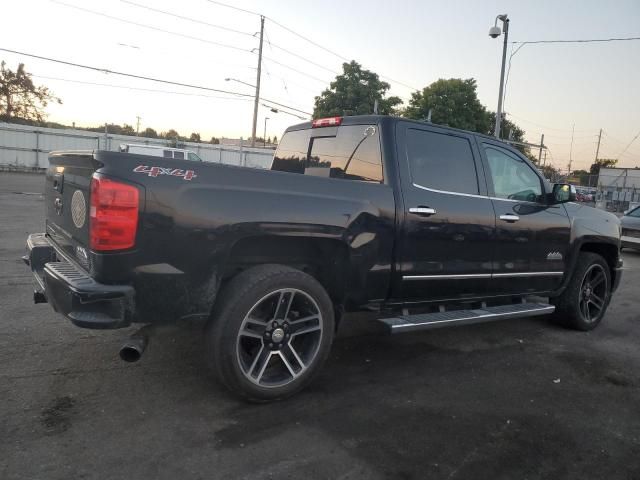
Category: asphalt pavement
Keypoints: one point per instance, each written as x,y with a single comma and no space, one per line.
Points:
520,399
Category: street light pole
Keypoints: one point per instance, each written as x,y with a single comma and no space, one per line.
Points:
264,137
257,99
494,33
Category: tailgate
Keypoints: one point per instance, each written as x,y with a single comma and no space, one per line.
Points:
67,190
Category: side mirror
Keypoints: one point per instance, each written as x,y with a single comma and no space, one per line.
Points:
563,193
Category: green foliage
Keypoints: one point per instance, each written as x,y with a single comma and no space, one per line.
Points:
552,173
214,141
149,133
602,163
453,102
354,92
195,137
275,139
20,98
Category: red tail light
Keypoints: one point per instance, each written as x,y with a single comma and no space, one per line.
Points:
113,216
326,122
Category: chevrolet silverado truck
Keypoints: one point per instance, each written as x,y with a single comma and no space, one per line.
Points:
424,226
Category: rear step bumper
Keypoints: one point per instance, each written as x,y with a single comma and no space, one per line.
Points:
73,293
426,321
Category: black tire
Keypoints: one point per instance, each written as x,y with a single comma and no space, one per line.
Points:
230,332
570,306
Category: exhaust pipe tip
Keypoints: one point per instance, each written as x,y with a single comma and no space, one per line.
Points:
133,348
39,297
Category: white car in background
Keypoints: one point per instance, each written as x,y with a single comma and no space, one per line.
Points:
165,152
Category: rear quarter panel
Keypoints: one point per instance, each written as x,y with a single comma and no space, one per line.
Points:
192,225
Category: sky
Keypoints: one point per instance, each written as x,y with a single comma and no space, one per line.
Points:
552,88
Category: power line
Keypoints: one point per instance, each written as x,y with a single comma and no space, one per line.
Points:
127,87
322,47
182,17
315,44
264,57
589,40
234,8
545,126
627,147
150,27
194,20
152,79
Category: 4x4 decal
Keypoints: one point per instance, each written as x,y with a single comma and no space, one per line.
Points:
174,172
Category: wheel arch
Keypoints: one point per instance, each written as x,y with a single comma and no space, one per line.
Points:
325,259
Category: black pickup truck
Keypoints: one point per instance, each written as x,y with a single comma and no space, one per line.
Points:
426,225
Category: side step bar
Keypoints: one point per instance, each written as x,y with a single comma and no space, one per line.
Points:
426,321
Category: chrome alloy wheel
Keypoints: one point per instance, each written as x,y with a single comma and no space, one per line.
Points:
593,293
279,338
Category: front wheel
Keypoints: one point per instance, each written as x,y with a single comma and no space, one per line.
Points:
270,332
584,302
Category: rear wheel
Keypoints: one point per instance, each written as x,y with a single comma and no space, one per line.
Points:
270,332
584,302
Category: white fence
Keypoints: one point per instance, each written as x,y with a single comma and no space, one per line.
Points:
27,146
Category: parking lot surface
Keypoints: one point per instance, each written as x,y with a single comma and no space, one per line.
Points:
507,400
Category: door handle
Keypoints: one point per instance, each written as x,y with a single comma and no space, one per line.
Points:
425,211
509,217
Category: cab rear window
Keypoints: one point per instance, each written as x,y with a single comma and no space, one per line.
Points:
350,152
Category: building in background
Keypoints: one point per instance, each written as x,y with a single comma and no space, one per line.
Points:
618,188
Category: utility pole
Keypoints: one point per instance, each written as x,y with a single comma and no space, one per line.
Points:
138,118
257,99
541,147
505,30
573,127
544,162
598,147
264,138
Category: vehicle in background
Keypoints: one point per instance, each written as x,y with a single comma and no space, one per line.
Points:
156,151
631,228
585,194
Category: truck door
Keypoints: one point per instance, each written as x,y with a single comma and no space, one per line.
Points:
532,237
445,239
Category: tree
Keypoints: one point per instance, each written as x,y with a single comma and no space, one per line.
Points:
552,173
354,92
214,141
170,134
150,133
453,102
268,139
195,137
602,163
127,130
511,131
20,98
275,140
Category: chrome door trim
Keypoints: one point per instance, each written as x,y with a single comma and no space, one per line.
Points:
446,277
447,192
481,275
527,274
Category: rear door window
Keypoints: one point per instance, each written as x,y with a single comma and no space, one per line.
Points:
178,155
441,162
291,155
167,154
350,152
